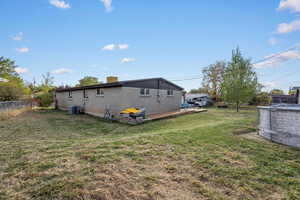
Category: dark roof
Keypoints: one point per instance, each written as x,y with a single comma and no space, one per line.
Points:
296,88
139,83
282,96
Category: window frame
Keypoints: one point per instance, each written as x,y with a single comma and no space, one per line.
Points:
170,93
146,92
100,94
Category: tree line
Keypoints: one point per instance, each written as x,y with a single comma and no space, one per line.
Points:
234,82
13,87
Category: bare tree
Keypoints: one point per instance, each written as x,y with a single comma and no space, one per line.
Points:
212,79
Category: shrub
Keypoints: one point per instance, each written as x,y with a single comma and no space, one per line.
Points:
45,99
10,91
261,99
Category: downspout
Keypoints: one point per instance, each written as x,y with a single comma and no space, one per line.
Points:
271,125
55,101
84,100
297,96
158,87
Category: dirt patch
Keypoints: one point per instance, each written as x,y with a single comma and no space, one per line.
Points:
253,136
242,131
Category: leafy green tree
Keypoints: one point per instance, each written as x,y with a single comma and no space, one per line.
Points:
199,90
239,81
9,91
212,79
47,82
7,68
292,92
43,91
277,92
88,80
45,98
13,87
261,99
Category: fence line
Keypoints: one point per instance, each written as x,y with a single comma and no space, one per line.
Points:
14,105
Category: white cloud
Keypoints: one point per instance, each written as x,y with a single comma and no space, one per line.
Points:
288,27
276,59
18,37
109,47
61,71
123,46
273,41
21,70
22,50
107,5
59,4
127,60
269,84
292,5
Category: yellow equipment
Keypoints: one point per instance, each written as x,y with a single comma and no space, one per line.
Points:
130,111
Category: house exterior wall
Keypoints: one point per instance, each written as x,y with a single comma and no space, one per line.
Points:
94,104
119,98
153,105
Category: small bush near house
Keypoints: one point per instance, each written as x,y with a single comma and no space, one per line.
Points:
45,99
261,99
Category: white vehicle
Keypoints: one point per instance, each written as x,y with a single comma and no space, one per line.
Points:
197,99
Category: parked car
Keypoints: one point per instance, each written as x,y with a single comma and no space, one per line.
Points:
200,101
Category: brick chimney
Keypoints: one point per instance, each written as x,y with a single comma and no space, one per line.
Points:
111,79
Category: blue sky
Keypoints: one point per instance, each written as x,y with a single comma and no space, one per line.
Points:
135,39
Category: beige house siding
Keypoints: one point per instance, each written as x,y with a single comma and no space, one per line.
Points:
153,104
96,105
119,98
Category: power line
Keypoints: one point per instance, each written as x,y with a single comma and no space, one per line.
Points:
297,46
188,79
284,76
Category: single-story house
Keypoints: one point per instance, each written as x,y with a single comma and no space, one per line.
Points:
283,99
156,95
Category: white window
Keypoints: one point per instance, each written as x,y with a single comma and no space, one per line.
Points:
100,92
144,92
70,94
170,93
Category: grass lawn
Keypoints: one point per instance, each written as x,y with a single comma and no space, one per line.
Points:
52,155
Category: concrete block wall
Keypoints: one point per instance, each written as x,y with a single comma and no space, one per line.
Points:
96,105
153,104
119,98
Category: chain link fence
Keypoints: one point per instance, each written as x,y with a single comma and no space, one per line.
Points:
12,105
13,108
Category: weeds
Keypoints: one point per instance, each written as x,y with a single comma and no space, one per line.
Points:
47,154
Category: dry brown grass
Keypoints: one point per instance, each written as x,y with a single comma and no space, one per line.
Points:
10,113
52,155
